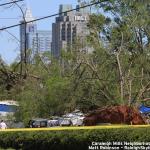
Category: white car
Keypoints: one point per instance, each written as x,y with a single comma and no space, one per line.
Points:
66,122
77,121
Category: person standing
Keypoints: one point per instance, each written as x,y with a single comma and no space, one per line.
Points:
3,125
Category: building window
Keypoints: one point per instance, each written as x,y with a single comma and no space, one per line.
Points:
31,28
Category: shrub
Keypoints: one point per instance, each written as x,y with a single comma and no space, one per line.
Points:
71,139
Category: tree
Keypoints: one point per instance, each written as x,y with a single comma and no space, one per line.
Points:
126,39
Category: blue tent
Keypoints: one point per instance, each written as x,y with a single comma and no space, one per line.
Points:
7,108
144,109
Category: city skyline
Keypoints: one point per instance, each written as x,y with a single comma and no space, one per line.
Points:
13,16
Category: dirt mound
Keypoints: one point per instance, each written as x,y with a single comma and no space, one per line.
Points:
114,115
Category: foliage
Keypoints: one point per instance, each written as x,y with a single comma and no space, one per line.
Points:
125,39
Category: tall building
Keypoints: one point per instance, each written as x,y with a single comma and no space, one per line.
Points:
33,40
26,30
68,26
39,42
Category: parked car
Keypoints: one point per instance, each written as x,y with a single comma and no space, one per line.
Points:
77,121
38,123
66,122
76,117
55,121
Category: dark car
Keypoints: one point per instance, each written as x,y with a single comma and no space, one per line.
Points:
38,123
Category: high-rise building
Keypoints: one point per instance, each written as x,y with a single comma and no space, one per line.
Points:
33,40
68,26
39,42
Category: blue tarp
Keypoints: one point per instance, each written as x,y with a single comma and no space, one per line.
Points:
144,109
7,108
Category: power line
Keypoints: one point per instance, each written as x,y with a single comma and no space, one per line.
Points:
10,2
10,18
38,19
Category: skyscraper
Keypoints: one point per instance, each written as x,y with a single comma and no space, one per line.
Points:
33,40
68,26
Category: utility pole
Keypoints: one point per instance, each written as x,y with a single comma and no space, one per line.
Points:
23,52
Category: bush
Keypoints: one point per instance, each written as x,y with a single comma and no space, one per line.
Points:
71,139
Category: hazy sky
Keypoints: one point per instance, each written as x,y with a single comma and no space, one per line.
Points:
9,47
